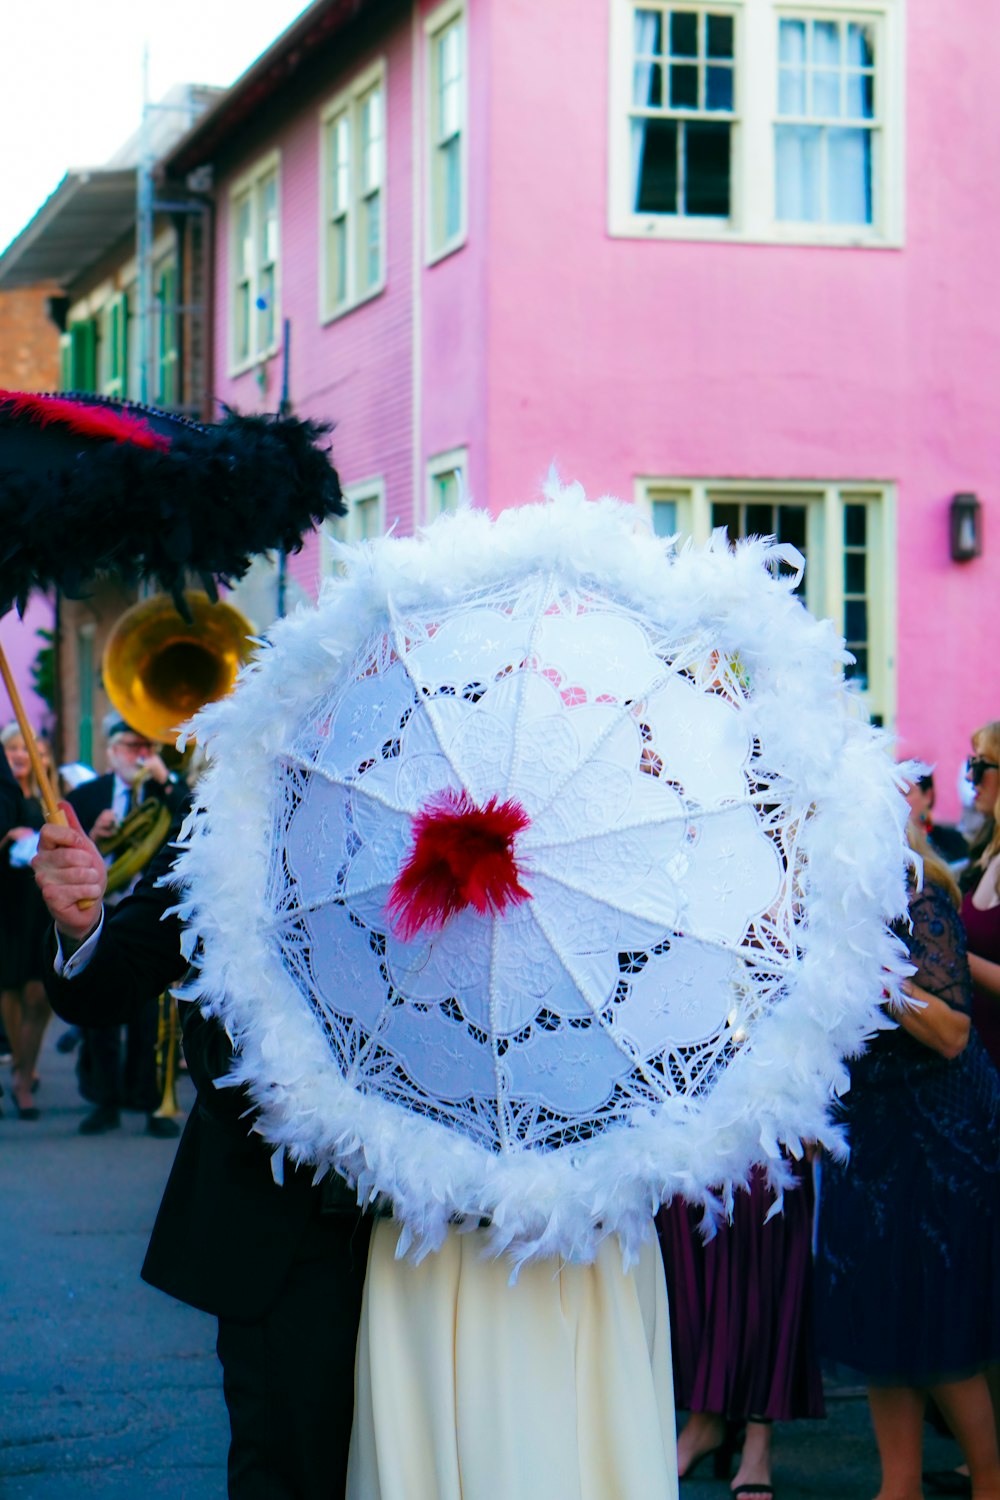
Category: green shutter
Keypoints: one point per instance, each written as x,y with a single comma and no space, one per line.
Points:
65,361
83,356
121,351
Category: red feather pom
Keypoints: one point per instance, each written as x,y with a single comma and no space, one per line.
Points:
462,855
88,421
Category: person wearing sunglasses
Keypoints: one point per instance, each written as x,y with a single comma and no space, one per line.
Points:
981,888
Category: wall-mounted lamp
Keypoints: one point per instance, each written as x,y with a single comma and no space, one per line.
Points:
966,517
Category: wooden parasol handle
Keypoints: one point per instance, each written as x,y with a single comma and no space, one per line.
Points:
53,812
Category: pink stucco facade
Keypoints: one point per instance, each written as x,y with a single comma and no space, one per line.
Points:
546,338
20,641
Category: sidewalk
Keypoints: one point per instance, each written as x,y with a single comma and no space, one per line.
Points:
110,1389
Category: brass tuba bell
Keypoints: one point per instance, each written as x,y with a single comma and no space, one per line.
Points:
159,669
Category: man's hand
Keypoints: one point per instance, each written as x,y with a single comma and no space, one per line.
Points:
155,766
105,825
69,868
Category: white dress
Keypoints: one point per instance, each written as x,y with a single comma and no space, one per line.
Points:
556,1388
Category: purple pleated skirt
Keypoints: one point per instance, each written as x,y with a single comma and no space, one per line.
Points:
741,1316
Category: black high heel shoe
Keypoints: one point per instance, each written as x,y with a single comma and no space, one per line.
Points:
722,1454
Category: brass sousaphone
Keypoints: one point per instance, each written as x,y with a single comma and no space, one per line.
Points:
158,670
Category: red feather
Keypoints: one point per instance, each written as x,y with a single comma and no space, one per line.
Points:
462,855
87,421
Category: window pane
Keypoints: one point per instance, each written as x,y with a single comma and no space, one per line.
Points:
707,169
341,165
366,517
826,95
857,671
724,514
648,33
647,85
372,230
791,91
860,104
445,491
797,174
664,517
718,88
452,205
856,620
760,520
244,237
338,261
242,314
849,176
855,572
654,145
371,141
826,44
860,45
265,309
683,87
792,42
269,219
792,525
855,525
720,36
684,33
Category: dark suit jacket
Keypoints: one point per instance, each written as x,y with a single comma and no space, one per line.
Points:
226,1233
94,797
11,809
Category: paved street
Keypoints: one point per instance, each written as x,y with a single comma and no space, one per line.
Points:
110,1389
106,1387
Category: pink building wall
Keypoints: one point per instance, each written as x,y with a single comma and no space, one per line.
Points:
545,338
622,358
20,646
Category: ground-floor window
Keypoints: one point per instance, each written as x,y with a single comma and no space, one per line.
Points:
846,533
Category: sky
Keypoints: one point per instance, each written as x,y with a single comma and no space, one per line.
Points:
71,77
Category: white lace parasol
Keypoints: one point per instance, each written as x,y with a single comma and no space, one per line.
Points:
705,851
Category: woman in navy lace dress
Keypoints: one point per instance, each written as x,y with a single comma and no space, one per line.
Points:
907,1285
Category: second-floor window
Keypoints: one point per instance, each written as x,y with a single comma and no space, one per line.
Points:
765,120
353,154
446,89
255,248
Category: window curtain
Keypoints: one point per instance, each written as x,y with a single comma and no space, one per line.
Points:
646,32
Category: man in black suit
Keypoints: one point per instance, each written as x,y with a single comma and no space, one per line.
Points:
281,1267
109,1079
11,810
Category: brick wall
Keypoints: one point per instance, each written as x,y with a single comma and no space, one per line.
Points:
29,341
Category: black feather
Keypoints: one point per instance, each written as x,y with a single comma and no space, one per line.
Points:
218,497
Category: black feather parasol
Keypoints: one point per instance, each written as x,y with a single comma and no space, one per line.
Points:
91,486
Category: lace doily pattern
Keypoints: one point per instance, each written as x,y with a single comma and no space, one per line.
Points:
661,859
712,834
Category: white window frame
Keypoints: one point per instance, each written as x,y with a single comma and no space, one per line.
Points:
437,245
347,528
824,576
752,147
249,186
349,104
454,461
